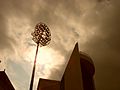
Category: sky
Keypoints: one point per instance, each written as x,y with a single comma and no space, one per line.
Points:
94,24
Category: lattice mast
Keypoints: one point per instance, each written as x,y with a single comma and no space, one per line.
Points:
42,37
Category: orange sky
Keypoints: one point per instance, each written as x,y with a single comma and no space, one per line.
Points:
93,23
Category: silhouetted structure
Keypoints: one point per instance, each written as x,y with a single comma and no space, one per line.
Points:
5,83
78,74
48,84
88,70
42,37
72,77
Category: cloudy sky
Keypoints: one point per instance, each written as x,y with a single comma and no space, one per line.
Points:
94,24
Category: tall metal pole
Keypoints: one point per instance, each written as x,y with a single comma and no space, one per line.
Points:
33,72
42,37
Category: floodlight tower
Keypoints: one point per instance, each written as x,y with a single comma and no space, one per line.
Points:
42,37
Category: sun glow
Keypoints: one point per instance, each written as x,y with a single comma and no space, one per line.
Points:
47,58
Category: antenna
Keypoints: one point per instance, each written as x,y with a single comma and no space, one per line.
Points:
42,37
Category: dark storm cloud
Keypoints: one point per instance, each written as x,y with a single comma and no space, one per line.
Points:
47,13
17,7
104,47
69,6
44,13
4,39
7,8
111,26
23,8
108,24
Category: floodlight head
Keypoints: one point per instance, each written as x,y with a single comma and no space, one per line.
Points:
42,34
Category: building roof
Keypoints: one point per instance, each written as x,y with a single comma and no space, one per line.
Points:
5,83
45,84
87,63
73,75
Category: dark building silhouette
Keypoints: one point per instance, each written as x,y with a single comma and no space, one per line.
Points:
72,77
5,83
88,70
48,84
78,74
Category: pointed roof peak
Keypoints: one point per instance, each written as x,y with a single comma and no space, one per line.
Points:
76,44
76,47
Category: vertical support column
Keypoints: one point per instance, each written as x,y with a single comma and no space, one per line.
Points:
33,72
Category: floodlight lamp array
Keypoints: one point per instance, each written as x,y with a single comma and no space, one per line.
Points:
41,35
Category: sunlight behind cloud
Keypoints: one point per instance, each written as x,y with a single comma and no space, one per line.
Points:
24,50
47,59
